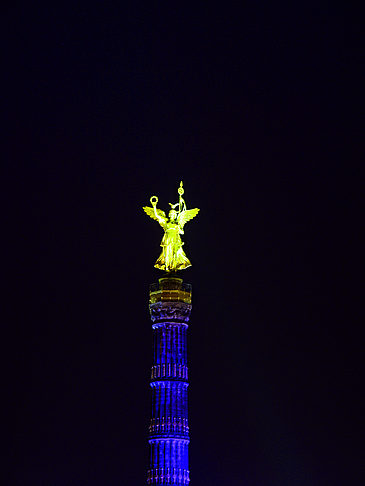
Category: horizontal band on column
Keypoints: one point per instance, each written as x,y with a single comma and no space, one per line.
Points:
169,384
169,425
171,439
164,323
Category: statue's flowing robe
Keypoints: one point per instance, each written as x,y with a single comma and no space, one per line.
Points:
172,256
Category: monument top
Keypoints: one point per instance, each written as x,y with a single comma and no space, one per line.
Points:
172,257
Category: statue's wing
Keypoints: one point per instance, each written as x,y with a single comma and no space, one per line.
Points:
151,214
186,216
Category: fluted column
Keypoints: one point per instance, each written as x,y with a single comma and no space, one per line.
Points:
170,307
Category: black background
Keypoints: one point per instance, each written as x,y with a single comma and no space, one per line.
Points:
254,108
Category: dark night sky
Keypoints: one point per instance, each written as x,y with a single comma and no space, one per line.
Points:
252,107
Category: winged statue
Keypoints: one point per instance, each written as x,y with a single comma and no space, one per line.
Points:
172,256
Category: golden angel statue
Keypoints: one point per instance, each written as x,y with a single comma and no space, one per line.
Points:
172,257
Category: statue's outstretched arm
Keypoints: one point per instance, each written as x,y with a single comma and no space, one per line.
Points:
155,213
154,201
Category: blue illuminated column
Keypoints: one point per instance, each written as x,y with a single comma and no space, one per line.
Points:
170,307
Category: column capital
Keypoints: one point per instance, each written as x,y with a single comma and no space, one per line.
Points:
170,311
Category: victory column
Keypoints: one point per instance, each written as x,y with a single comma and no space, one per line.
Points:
170,307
